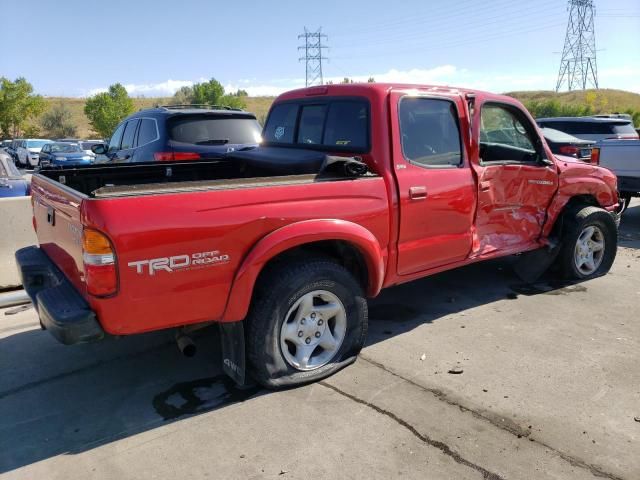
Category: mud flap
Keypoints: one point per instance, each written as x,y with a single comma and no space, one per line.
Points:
531,265
233,356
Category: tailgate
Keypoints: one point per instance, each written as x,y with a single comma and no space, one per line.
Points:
56,211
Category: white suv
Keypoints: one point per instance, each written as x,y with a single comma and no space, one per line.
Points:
28,151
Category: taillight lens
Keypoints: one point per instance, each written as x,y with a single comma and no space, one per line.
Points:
100,271
570,150
595,156
171,156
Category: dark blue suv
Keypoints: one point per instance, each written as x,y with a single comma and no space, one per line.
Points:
180,132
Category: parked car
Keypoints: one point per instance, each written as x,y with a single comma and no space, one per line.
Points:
180,133
28,151
623,158
6,144
565,144
62,153
11,149
87,144
592,128
12,184
357,187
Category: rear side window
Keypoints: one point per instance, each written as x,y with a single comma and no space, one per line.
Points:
328,124
430,132
147,132
128,136
212,130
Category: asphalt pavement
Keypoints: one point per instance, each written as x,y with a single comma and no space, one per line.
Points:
544,383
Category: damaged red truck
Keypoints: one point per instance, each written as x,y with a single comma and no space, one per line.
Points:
355,188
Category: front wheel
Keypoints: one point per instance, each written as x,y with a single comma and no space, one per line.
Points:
590,242
308,320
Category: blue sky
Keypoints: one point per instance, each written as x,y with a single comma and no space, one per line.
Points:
77,47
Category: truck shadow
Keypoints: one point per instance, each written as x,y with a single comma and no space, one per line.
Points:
66,400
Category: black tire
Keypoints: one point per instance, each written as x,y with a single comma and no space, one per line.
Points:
278,290
575,223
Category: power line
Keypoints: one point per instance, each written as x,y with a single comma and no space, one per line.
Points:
578,66
313,55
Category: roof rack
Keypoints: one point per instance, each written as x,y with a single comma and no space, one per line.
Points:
199,105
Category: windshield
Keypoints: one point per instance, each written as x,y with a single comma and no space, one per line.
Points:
36,143
207,130
65,148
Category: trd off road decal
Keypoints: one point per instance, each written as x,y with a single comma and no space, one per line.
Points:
179,262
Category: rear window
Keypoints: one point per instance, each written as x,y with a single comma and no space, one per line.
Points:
327,124
591,128
210,130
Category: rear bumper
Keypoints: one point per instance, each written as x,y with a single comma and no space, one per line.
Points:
61,308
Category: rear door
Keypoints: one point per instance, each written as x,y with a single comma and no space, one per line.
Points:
435,183
515,183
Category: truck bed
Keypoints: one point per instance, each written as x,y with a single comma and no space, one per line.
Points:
242,170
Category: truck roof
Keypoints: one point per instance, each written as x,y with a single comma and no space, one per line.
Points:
384,88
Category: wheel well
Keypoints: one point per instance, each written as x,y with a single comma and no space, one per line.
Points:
575,203
340,251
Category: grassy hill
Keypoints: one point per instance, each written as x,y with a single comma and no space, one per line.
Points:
565,103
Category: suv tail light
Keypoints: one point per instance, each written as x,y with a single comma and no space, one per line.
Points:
595,155
99,264
570,150
171,156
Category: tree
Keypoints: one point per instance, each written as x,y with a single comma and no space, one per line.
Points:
346,80
371,80
58,122
106,110
183,96
208,93
18,104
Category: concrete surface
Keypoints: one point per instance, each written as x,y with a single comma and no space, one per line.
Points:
550,388
17,232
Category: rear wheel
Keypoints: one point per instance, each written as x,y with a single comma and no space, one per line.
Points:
308,320
590,242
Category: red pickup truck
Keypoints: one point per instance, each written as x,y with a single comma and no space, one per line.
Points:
355,188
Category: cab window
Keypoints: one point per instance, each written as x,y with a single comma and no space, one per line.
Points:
507,136
325,124
430,132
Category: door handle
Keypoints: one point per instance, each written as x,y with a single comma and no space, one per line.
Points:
126,157
418,193
485,186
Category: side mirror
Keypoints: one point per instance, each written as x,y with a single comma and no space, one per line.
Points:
99,149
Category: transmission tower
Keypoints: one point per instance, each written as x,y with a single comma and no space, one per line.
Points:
578,67
313,50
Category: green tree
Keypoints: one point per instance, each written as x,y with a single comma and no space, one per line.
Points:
371,80
183,96
209,93
58,122
106,110
18,104
346,80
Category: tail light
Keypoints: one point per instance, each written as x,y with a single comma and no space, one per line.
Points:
171,156
570,150
100,271
595,155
